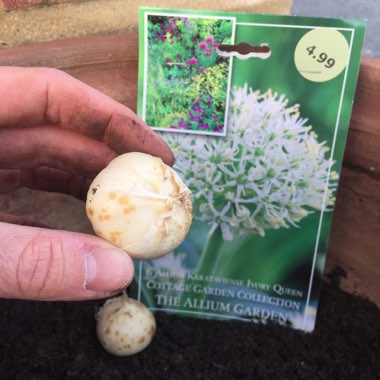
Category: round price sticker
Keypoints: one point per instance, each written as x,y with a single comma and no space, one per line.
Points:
321,54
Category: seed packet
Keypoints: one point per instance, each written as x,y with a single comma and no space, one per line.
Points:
256,109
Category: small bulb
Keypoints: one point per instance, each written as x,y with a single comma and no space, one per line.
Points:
125,326
141,205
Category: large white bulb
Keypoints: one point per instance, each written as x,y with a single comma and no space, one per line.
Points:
141,205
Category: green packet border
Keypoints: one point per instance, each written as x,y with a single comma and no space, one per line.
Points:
349,84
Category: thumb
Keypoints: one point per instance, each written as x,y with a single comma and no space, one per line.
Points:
42,264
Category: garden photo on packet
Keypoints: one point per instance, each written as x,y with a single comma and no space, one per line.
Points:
186,80
263,186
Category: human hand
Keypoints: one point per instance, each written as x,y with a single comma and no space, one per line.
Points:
56,134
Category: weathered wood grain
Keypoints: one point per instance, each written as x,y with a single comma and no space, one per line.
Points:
355,237
109,63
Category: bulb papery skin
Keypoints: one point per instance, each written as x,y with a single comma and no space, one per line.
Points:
125,326
141,205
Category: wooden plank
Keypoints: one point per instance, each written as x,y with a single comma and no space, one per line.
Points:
355,238
363,145
109,63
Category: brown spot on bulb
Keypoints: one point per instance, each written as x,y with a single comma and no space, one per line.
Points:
186,201
163,231
90,211
141,340
112,195
169,206
128,209
123,200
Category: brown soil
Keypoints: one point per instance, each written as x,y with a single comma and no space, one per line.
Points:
57,340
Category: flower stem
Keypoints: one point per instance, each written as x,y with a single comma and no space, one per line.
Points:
209,256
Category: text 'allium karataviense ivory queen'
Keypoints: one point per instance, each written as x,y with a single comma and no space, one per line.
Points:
269,172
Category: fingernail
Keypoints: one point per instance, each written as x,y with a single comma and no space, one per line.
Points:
108,270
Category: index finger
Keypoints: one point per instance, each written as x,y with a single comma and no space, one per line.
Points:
36,96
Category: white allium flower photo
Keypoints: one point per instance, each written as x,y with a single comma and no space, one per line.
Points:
269,172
